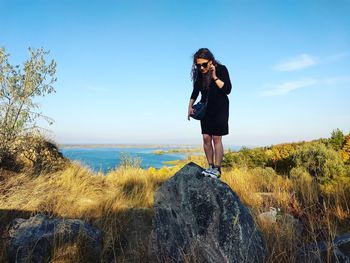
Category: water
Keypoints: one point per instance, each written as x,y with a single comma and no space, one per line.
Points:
105,159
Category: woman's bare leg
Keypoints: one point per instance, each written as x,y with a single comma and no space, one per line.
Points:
218,149
208,148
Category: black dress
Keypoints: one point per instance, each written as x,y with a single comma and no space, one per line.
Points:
215,121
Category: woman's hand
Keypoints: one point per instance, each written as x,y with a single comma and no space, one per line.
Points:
190,111
213,71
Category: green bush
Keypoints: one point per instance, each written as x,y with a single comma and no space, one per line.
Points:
337,139
250,158
127,160
319,161
232,159
282,166
256,157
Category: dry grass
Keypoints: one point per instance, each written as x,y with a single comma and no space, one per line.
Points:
106,201
79,192
323,211
120,204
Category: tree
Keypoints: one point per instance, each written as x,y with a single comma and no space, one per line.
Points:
18,90
337,139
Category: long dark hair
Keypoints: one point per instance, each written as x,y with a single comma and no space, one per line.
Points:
204,53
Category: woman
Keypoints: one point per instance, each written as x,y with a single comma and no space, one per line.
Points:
213,81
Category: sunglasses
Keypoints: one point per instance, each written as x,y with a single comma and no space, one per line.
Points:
204,65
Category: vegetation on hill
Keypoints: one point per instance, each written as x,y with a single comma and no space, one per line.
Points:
308,180
21,142
324,159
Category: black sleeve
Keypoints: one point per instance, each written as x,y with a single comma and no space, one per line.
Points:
225,77
195,91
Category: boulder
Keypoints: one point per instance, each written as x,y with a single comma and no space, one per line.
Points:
338,252
200,219
33,239
269,217
284,221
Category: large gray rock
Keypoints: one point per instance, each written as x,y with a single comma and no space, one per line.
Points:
33,239
339,251
200,219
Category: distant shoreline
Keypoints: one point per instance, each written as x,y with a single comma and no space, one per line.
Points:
184,147
127,146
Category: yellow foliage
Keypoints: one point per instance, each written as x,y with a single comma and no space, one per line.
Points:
345,156
345,151
281,151
152,170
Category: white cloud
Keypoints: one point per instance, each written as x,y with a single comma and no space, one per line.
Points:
305,61
287,87
335,57
299,62
336,80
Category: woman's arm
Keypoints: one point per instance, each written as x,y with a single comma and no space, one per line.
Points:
219,82
193,98
222,81
190,109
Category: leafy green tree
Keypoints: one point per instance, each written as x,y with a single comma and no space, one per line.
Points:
337,139
19,87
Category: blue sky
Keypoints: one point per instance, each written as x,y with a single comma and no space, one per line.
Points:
123,67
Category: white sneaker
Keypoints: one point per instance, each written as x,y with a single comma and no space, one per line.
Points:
207,171
215,173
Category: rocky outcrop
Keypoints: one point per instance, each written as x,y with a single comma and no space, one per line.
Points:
200,219
32,154
33,239
338,252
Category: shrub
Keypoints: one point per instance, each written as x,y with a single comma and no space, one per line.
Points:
336,140
251,158
319,161
126,160
345,151
232,159
280,157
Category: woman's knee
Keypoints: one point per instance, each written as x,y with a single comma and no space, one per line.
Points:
217,139
207,139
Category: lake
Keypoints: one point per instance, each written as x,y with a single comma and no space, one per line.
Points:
105,159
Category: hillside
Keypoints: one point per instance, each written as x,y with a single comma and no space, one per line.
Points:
306,181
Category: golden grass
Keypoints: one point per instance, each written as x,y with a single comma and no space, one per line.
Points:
114,201
79,192
107,201
323,218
